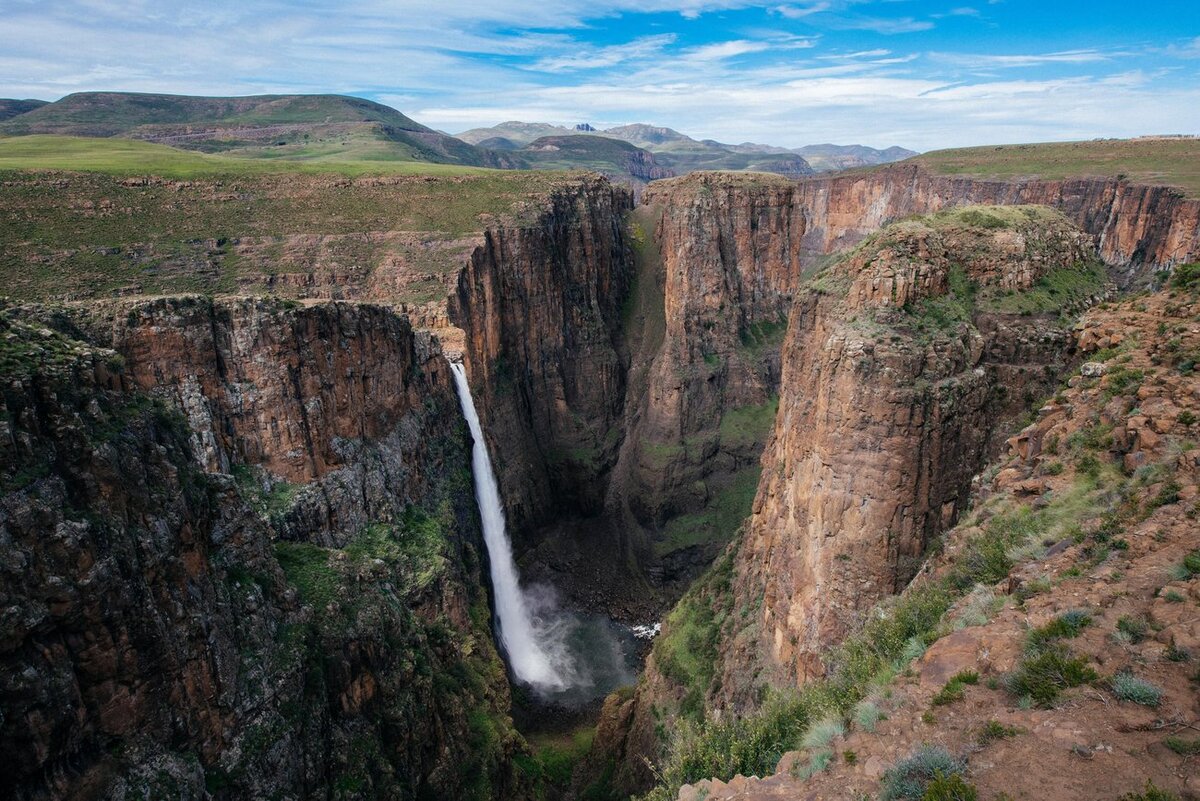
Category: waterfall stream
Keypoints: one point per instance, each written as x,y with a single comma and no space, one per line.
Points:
528,645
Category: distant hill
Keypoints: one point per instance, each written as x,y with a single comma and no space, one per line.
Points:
612,157
682,153
301,127
10,108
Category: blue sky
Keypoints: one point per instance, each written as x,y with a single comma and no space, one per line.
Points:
919,74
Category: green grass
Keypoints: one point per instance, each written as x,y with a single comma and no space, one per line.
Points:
911,777
236,225
127,157
955,688
1060,288
720,518
306,567
1173,162
748,426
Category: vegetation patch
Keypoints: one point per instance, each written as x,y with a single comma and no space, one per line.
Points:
1127,687
955,688
911,777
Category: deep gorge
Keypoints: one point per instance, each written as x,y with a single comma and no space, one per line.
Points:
284,484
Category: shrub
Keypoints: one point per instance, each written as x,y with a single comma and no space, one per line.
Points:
1044,674
866,715
909,778
1128,687
1185,748
1186,276
955,687
1065,626
1134,628
822,733
949,788
1151,793
995,730
1190,566
1174,597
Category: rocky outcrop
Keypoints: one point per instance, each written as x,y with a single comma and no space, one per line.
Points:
1136,227
333,400
160,638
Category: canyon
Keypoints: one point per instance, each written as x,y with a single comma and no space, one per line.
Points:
241,552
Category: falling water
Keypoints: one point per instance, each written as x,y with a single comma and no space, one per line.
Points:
532,661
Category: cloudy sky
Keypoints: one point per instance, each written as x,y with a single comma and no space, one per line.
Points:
909,72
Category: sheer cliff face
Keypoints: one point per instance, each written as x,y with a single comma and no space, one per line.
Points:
337,397
901,369
1134,226
170,631
541,309
729,263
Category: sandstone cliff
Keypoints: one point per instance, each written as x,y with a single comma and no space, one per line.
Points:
1053,639
162,638
1140,228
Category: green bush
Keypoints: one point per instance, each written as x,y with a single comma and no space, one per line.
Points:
1135,629
1151,793
950,788
1065,626
1185,748
1043,674
1128,687
955,687
995,730
911,777
1186,276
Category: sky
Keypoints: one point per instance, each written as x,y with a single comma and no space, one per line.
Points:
923,75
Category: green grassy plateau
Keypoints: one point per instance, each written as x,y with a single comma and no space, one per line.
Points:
1174,162
133,157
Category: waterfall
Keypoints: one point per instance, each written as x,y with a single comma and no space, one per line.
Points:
530,650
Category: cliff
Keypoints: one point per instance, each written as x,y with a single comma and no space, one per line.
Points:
1137,227
904,365
173,630
1049,645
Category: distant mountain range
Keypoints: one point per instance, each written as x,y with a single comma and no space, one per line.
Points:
315,128
682,153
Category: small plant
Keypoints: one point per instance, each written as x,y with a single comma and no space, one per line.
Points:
1186,418
1190,566
1177,654
1044,674
955,688
950,788
995,730
1151,793
1173,596
1054,469
822,733
928,718
1134,629
866,715
911,777
850,757
1185,748
1065,626
1128,687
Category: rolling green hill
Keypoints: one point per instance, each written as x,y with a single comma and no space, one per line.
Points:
287,127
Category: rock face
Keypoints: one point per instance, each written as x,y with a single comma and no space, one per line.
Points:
541,310
902,369
1136,227
156,642
730,263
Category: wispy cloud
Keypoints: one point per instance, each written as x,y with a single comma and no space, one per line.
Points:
988,61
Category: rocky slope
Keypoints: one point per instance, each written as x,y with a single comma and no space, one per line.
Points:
1070,666
171,630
